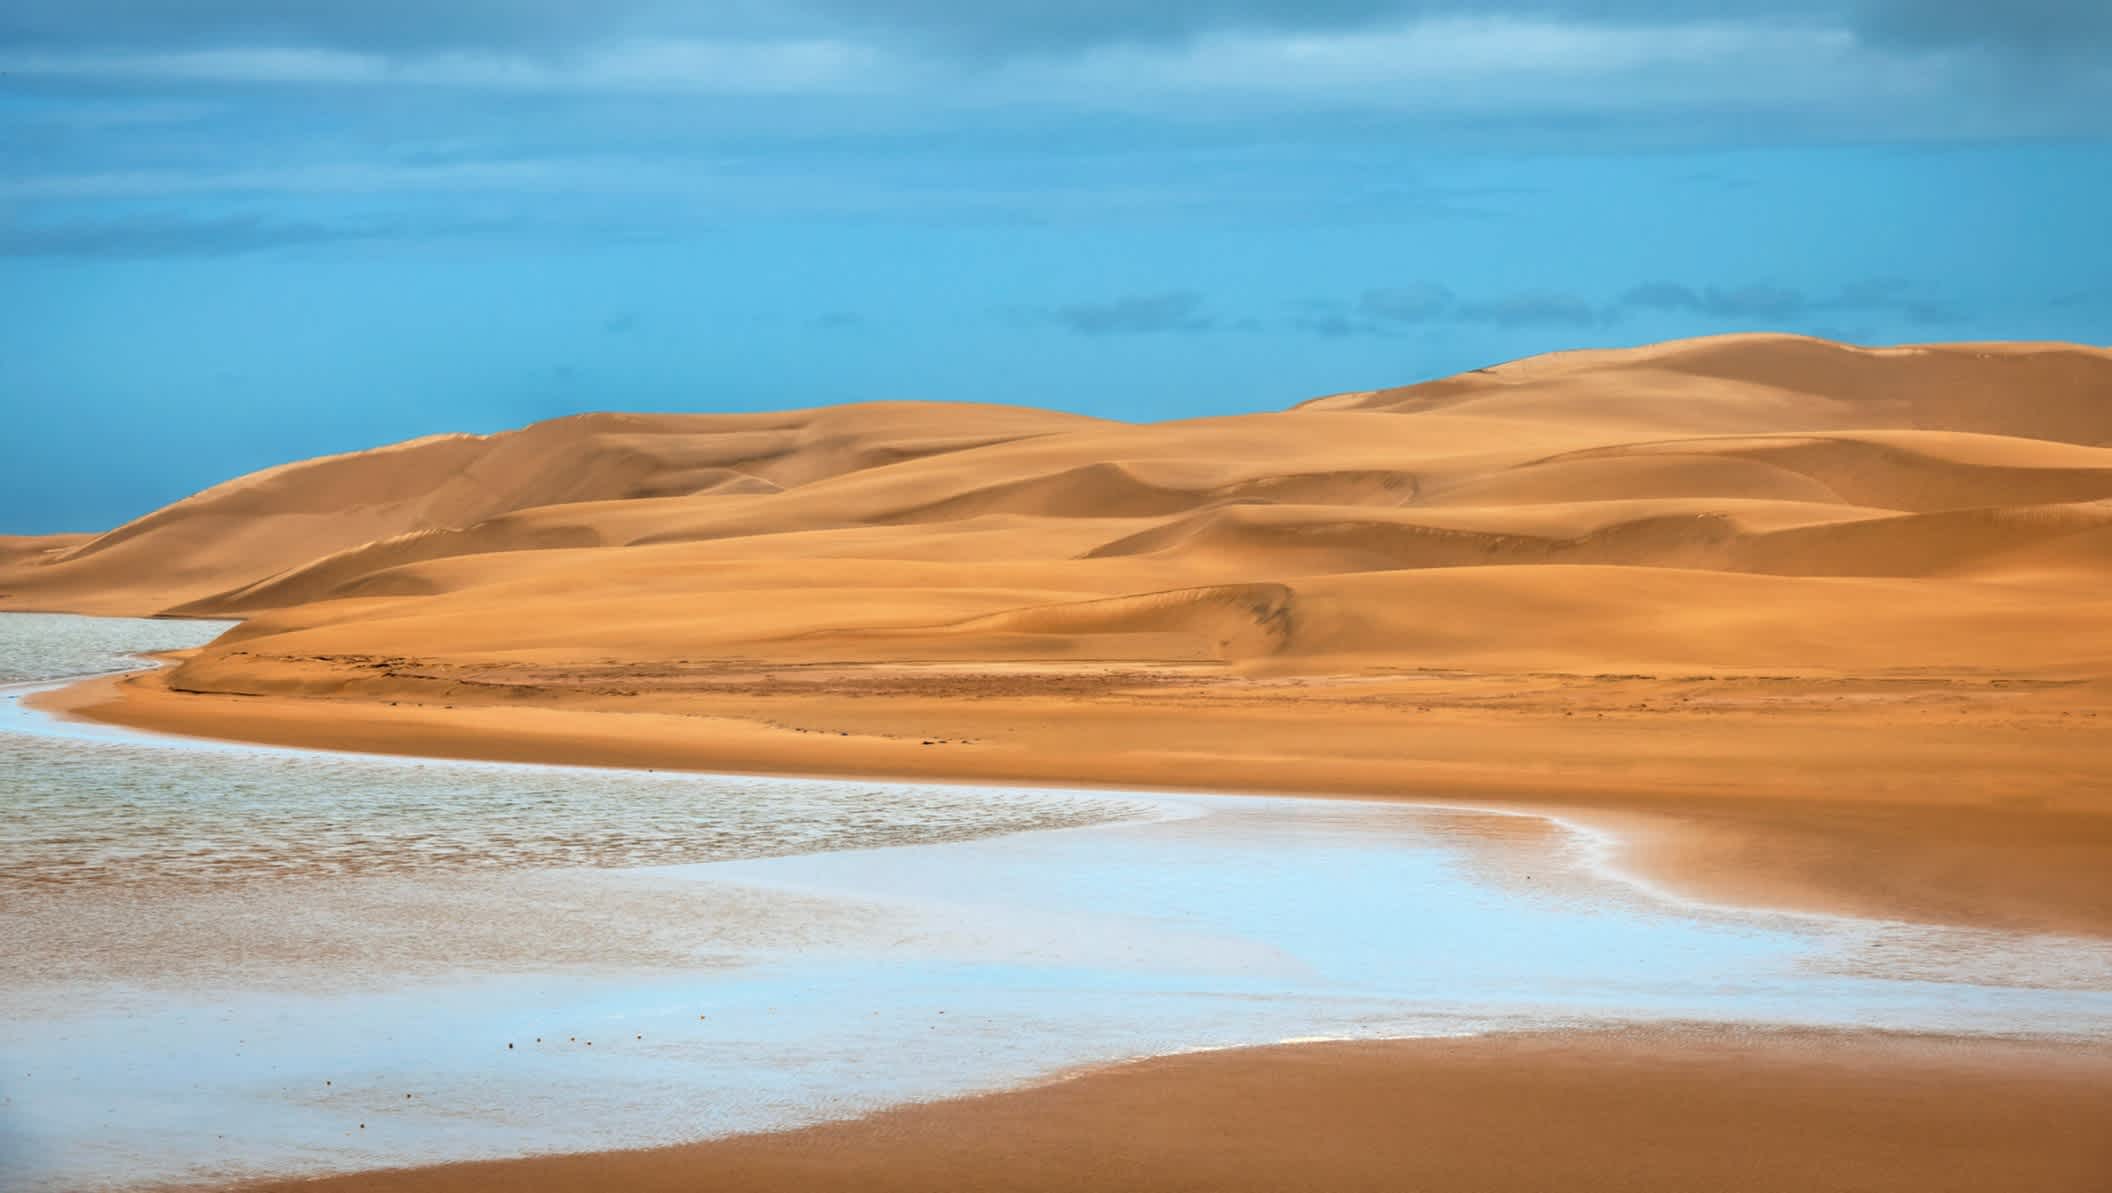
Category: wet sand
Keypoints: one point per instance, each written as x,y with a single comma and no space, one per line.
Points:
1642,1108
580,960
1639,1112
1983,802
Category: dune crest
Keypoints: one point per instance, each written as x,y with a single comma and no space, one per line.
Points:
1652,457
1564,488
227,538
1774,455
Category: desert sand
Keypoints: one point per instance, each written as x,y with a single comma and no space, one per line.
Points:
1820,626
1662,1109
1814,626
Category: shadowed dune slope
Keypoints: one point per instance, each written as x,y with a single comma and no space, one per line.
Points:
235,534
2036,391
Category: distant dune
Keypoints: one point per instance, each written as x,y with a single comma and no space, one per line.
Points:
1786,569
1758,454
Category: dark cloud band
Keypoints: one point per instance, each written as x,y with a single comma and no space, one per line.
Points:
2063,27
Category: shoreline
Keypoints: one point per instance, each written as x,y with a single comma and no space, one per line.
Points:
1669,1108
1601,844
1068,1130
2014,865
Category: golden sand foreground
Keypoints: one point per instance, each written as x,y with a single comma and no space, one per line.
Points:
1660,1110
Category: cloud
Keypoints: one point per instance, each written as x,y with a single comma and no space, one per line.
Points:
1395,310
2058,28
677,192
93,116
1420,302
1035,26
1761,302
542,26
1331,319
1374,313
1176,311
1533,308
157,231
984,28
331,178
370,24
692,66
1499,60
2071,300
176,236
1603,69
1426,58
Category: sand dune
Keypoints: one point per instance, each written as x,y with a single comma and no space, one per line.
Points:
255,526
33,550
1782,380
1880,561
1918,471
1705,428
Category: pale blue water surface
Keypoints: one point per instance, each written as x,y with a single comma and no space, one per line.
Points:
222,960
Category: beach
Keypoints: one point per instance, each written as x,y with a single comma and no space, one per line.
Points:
1703,1109
1983,797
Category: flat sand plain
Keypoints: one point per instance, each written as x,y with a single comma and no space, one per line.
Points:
1590,1111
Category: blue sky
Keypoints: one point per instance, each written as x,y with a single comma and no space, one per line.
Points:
235,232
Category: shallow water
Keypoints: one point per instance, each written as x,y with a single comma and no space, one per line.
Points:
36,646
225,960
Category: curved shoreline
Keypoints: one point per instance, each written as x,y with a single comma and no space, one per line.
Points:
2006,865
1600,846
1603,848
946,1142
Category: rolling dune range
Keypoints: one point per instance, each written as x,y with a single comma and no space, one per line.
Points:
1825,626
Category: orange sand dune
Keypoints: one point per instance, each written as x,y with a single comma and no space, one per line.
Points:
258,525
1841,613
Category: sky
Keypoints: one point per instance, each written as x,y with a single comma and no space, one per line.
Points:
238,232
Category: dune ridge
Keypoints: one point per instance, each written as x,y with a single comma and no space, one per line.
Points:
1722,577
1576,457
